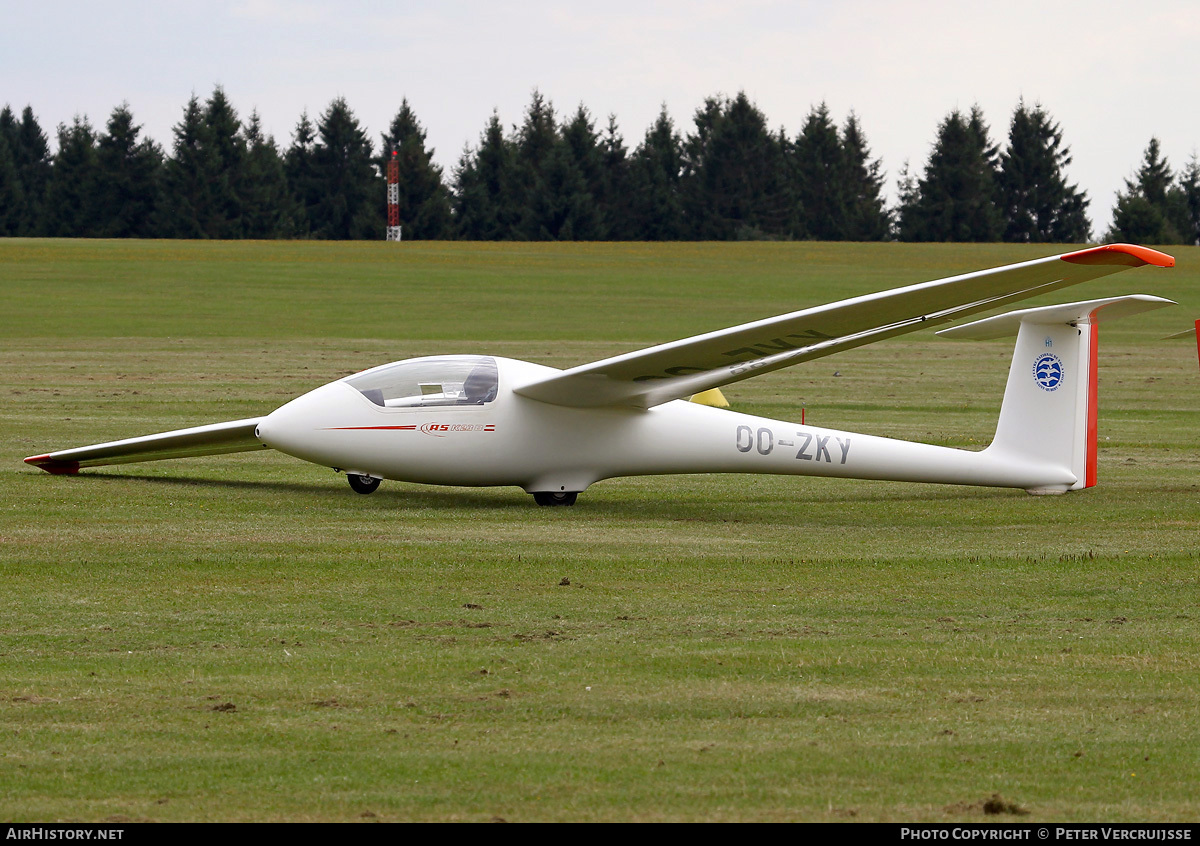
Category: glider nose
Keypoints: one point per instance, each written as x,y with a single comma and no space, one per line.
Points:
298,427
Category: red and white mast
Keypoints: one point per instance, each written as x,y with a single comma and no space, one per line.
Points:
393,198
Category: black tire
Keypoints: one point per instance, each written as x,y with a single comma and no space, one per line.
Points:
362,484
555,498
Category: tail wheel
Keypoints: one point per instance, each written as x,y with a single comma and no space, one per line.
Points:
362,484
556,497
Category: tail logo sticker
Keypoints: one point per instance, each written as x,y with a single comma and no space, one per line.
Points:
1048,371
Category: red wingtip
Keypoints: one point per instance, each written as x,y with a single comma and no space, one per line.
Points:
54,465
1129,255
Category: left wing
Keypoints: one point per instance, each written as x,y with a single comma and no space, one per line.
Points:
659,374
215,439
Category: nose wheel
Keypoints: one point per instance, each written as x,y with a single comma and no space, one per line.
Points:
362,484
555,497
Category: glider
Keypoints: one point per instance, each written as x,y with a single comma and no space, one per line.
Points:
483,420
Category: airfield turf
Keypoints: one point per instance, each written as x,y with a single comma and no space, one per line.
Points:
244,638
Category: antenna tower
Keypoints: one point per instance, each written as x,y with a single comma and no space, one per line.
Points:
393,198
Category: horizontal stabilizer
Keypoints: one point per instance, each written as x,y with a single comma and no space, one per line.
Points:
215,439
1186,333
1087,311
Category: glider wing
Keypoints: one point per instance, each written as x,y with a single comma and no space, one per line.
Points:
678,369
215,439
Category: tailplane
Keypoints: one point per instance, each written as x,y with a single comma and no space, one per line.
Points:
1050,403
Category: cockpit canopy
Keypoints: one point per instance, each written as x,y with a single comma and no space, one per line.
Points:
434,381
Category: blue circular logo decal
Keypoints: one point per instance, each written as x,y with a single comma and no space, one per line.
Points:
1048,371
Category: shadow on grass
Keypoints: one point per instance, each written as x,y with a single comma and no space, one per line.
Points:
669,503
450,498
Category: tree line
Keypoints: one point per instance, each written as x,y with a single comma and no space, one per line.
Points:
728,177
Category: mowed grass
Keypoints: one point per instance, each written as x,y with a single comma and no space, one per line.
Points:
243,638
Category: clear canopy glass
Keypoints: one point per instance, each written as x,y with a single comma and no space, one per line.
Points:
434,381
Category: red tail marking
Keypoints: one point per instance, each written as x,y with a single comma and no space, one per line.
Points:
1093,405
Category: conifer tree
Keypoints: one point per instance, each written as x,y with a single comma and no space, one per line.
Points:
12,195
655,171
485,194
1143,212
1038,204
71,208
613,196
128,175
226,158
9,128
1188,194
349,200
577,181
268,208
299,167
736,184
32,155
866,218
819,174
535,144
188,178
956,198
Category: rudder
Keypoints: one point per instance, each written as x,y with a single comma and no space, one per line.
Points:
1049,413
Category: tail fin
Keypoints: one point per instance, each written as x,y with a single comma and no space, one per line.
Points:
1049,409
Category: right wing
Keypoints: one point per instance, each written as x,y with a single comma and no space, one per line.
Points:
678,369
215,439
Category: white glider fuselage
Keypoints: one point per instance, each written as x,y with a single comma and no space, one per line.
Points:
514,440
481,420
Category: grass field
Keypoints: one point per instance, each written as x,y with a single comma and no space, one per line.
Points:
243,638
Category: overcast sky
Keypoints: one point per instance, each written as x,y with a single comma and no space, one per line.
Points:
1112,74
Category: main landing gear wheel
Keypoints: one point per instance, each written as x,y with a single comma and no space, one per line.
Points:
555,498
362,484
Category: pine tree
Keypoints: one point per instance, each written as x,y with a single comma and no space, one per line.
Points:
71,206
905,217
188,178
1143,211
485,203
226,160
424,200
12,195
862,179
9,128
32,155
350,197
736,184
614,194
697,150
268,208
299,167
536,141
1038,204
655,172
1188,192
1154,176
128,175
956,198
577,180
818,166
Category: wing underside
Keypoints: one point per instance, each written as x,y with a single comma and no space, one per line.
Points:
214,439
678,369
